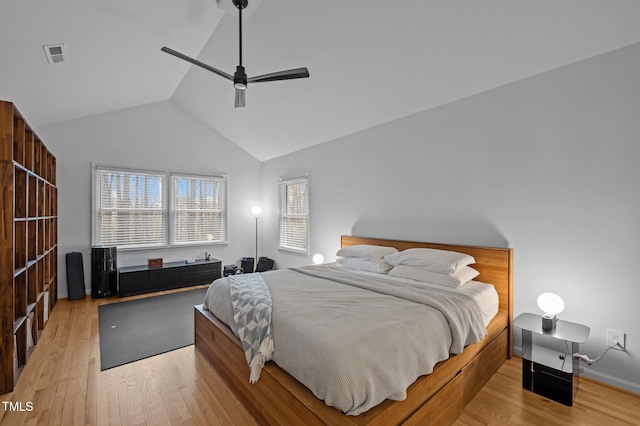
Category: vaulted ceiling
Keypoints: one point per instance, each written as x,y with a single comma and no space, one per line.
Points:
371,61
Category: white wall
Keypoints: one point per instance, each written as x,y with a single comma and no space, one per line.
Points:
547,166
159,136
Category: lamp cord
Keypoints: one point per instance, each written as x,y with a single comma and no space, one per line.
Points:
585,358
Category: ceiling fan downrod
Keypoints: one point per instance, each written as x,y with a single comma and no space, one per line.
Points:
239,78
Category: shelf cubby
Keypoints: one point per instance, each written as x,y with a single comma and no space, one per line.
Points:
21,346
20,244
41,198
37,156
53,231
32,240
54,201
32,283
32,196
40,311
18,140
20,296
53,170
29,149
20,193
40,238
32,329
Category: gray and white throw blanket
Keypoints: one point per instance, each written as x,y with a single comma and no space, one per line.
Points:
251,303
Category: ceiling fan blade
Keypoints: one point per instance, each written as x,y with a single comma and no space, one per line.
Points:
280,75
198,63
240,98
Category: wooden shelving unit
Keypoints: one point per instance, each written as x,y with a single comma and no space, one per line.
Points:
28,242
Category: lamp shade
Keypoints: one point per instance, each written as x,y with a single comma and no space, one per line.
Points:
550,303
318,258
256,209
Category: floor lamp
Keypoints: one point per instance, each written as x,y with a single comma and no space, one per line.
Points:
256,211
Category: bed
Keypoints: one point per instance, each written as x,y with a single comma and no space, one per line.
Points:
278,398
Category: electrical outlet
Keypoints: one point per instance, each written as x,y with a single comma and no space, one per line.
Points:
614,337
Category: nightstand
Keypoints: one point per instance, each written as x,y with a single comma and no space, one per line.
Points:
552,374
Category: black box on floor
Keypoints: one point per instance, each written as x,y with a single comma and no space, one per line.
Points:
229,270
264,264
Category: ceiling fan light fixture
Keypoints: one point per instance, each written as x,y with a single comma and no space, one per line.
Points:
240,98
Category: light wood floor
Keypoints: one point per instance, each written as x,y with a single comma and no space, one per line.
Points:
64,383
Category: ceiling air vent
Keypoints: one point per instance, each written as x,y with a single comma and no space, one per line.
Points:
56,53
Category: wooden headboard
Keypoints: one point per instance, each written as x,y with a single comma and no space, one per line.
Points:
494,264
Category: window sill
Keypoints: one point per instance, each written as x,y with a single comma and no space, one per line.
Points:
172,247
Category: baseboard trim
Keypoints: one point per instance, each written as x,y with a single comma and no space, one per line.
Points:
616,382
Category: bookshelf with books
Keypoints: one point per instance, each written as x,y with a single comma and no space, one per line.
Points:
28,241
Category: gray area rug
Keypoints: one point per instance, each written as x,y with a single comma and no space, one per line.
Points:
137,329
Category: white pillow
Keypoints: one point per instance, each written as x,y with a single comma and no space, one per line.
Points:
441,261
462,276
366,251
368,265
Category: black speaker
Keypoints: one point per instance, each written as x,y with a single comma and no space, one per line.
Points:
104,272
75,276
247,264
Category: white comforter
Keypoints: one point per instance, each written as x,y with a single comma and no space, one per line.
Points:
355,345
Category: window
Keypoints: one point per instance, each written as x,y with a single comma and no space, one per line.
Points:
132,209
198,209
293,227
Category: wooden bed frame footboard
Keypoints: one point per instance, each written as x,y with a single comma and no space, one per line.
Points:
439,398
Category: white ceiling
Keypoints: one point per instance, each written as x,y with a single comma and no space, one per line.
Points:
114,58
371,61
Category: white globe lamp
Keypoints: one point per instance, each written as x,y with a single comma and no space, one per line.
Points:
551,304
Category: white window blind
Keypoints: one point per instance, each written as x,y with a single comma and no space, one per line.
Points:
130,208
293,227
199,209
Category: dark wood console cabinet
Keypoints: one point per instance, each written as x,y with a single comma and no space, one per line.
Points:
142,279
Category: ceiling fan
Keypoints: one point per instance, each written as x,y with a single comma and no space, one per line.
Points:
239,78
